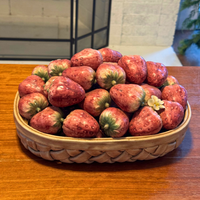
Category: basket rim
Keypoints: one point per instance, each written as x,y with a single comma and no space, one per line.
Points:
50,137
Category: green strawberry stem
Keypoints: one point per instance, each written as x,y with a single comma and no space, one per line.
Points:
38,109
113,82
107,105
61,120
106,126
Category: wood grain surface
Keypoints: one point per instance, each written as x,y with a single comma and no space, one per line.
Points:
176,176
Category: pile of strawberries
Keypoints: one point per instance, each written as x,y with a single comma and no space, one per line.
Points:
102,94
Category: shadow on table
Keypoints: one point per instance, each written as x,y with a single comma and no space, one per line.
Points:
172,157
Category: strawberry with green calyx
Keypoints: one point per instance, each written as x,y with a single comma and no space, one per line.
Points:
32,84
48,84
176,93
96,101
155,103
42,72
110,55
80,124
145,121
64,92
114,122
135,68
149,91
83,75
171,80
31,104
128,97
172,115
56,67
156,73
108,75
48,120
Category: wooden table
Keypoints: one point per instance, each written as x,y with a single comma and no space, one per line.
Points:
25,176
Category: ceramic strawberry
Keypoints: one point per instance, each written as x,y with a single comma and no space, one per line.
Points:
149,91
156,73
83,75
87,57
31,104
48,84
135,68
80,124
110,55
128,97
145,121
114,122
48,120
172,115
96,101
108,75
42,72
171,80
31,84
64,92
176,93
56,67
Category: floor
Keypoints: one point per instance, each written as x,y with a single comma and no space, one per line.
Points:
192,56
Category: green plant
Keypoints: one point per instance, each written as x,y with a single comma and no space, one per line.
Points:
190,22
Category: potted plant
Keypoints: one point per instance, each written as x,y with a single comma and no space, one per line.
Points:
190,22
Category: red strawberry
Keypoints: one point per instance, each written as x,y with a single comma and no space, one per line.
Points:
128,97
110,55
109,74
176,93
48,120
145,121
172,115
64,92
31,104
96,101
48,84
80,124
171,80
149,91
156,73
42,72
56,67
32,84
135,68
87,57
114,122
84,76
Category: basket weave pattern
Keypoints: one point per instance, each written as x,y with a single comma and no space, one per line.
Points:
89,156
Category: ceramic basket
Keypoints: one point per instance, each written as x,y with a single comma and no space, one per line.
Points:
101,150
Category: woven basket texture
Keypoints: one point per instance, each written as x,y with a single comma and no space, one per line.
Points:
89,156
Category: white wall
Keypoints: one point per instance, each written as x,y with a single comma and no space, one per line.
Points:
143,22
